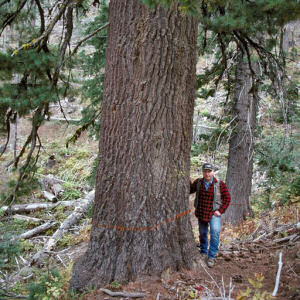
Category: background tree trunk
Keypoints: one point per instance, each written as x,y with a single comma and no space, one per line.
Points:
145,139
241,145
13,137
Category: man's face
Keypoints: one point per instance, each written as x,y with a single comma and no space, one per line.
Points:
208,174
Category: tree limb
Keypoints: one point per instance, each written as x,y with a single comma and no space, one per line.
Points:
42,16
37,230
26,208
88,37
123,294
10,18
46,33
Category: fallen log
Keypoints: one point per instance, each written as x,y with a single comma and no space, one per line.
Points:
37,230
27,219
26,208
285,239
71,220
49,181
123,294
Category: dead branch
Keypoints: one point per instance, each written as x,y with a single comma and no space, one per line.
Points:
26,218
64,120
26,208
37,230
72,219
88,37
278,275
8,115
263,239
123,294
286,239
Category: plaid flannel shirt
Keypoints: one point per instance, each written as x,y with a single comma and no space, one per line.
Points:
204,211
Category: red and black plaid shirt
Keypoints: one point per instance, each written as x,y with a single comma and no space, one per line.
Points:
204,211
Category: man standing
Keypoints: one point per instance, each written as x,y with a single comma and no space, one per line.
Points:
212,200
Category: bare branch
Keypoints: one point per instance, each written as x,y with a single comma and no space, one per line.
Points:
65,43
88,37
123,294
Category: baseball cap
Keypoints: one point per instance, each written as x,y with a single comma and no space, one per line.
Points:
207,166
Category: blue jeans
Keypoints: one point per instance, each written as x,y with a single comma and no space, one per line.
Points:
215,227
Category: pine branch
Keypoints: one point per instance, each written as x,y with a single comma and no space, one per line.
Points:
88,37
4,2
79,130
11,17
35,42
36,123
246,48
84,40
65,43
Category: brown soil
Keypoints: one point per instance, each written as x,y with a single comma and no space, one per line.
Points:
238,269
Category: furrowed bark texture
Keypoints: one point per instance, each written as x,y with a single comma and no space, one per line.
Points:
241,146
145,139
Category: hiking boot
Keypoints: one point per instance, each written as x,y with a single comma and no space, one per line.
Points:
210,262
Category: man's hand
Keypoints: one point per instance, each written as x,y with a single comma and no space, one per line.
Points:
217,213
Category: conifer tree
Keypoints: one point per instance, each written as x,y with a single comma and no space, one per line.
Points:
37,71
257,40
136,192
155,203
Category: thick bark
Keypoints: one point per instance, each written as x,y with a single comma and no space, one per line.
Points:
146,129
241,145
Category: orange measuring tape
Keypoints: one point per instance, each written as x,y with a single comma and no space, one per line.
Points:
154,227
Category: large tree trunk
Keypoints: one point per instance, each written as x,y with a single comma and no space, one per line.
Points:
140,220
241,145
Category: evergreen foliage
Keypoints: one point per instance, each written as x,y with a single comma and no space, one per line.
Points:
9,248
93,65
38,71
50,286
277,158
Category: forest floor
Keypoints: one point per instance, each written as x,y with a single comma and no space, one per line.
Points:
237,266
248,256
